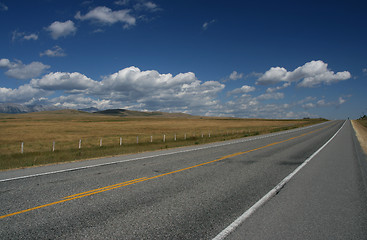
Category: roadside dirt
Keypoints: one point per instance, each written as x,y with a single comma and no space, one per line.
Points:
361,132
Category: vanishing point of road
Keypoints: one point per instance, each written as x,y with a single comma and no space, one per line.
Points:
307,183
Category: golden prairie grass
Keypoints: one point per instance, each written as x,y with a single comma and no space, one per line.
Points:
38,131
363,122
360,127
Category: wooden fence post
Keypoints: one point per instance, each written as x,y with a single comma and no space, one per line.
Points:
100,142
120,141
21,147
53,146
80,143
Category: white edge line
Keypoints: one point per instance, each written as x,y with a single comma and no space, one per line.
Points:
164,154
223,234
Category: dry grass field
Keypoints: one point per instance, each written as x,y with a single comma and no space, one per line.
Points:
39,130
360,126
363,122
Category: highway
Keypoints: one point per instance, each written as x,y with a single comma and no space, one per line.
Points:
197,192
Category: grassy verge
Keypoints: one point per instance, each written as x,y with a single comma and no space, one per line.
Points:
38,131
363,122
28,159
360,126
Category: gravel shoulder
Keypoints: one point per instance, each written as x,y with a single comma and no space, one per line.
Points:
361,133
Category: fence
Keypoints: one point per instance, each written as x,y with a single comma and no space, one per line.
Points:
121,141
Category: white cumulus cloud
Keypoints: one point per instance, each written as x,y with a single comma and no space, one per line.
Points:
78,101
128,88
5,63
32,36
21,94
155,91
61,29
64,81
106,15
18,70
311,74
132,88
252,107
56,51
274,95
341,100
242,90
314,103
324,78
235,75
308,105
152,90
147,6
285,85
23,36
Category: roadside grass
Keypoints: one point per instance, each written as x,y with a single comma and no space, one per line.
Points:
38,131
28,159
360,127
363,122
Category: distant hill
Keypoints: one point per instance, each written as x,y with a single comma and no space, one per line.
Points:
130,113
19,108
90,109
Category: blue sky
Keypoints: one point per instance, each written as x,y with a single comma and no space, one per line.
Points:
266,59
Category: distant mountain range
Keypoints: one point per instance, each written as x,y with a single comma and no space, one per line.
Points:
130,113
14,108
19,108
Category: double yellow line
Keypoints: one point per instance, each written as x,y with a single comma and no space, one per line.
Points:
104,189
127,183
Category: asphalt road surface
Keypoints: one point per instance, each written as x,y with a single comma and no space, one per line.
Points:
196,192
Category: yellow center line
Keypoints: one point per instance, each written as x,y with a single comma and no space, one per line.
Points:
127,183
104,188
